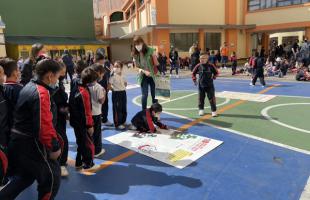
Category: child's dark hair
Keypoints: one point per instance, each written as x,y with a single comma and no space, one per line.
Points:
212,52
204,54
9,66
80,66
119,63
45,66
156,107
88,75
98,68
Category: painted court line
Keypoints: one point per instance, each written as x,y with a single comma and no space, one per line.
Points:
306,193
182,128
179,98
265,114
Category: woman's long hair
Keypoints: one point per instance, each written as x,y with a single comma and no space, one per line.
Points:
136,41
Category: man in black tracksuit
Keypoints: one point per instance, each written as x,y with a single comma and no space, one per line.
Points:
207,73
144,120
82,121
34,144
258,70
29,64
4,130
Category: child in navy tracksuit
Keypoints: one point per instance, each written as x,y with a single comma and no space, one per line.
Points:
207,73
119,98
145,121
11,87
82,121
233,60
61,100
4,130
10,91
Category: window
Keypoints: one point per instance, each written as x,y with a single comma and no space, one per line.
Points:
213,41
116,16
263,4
183,41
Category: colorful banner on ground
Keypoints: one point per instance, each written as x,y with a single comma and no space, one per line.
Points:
171,147
163,90
245,96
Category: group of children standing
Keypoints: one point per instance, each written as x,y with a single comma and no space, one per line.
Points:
33,120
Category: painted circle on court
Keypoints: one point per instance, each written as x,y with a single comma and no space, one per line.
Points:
265,114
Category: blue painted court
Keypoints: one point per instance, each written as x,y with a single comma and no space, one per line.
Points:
247,166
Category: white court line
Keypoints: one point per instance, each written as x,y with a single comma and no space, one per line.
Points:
186,109
183,97
170,109
303,97
244,134
305,195
264,113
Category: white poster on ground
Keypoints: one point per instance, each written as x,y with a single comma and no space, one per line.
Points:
245,96
171,147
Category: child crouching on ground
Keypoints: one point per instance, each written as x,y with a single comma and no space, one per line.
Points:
118,86
145,121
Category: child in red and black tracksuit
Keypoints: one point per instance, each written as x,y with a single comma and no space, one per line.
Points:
82,121
4,130
207,73
11,87
61,100
35,146
144,120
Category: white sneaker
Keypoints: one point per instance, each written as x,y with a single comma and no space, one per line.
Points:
64,171
108,123
170,75
177,76
251,84
201,112
214,114
121,127
263,86
132,127
100,153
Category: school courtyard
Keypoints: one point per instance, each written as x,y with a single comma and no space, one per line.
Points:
265,152
258,148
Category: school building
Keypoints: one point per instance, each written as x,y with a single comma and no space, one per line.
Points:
57,24
244,24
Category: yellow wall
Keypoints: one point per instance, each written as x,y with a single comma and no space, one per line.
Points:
14,50
279,16
196,12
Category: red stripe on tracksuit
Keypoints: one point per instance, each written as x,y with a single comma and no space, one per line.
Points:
47,134
87,106
88,116
150,121
4,161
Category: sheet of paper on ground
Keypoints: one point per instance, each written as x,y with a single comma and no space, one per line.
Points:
245,96
170,147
